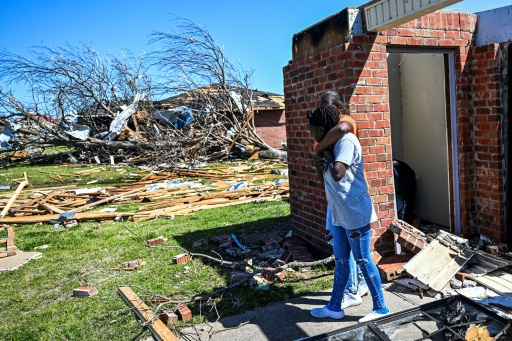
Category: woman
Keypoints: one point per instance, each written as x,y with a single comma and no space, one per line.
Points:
352,212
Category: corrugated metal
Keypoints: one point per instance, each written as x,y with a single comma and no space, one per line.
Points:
385,14
439,261
499,281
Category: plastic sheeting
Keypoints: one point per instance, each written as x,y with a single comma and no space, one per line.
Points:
178,117
70,127
8,134
117,125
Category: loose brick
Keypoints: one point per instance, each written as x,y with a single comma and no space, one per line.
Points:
273,277
168,317
376,257
155,241
237,276
502,247
85,291
392,267
492,249
183,312
284,258
461,276
181,258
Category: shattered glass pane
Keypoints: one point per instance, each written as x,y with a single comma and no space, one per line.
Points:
411,328
359,334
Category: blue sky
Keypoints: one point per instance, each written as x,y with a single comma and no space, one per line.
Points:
257,33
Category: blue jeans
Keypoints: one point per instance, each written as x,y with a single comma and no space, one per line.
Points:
356,241
355,273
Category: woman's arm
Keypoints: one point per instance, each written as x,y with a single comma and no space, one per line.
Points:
337,169
333,136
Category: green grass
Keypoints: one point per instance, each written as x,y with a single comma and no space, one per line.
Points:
36,300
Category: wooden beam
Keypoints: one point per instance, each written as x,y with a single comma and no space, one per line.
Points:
7,207
154,324
79,217
99,202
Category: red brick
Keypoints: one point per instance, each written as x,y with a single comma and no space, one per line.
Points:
273,277
237,276
183,312
392,267
461,276
155,241
284,258
168,317
85,291
220,239
181,258
376,257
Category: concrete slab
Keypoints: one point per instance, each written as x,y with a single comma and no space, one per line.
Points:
20,258
290,320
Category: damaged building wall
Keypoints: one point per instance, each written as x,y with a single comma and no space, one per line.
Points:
271,126
485,111
334,56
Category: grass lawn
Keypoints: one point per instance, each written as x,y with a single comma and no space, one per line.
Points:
36,300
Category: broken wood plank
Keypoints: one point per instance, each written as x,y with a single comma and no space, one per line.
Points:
80,209
10,248
7,207
148,317
79,217
50,208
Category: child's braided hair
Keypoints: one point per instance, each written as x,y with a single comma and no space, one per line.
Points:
325,116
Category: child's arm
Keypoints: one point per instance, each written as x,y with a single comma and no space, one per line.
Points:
333,136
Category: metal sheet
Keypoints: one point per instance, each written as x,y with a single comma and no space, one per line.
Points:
499,281
483,263
439,261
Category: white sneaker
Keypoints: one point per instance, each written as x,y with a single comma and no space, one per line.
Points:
350,300
372,316
362,288
326,312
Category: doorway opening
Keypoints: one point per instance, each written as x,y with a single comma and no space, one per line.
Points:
423,132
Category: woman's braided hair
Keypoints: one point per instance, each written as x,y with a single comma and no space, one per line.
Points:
325,116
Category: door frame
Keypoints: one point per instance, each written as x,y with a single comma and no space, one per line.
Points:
453,153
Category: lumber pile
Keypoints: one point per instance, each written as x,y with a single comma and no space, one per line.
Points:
161,194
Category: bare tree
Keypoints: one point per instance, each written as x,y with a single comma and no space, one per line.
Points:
102,104
191,62
71,82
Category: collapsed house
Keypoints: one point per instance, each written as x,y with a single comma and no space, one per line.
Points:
429,90
207,123
268,108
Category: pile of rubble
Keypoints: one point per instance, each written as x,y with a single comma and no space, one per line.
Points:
442,264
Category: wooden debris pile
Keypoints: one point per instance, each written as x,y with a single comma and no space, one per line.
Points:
162,194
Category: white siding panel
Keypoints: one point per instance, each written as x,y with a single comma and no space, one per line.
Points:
386,14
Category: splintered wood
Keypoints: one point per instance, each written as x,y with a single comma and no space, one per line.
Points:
162,194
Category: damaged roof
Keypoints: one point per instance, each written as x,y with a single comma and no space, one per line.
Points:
261,100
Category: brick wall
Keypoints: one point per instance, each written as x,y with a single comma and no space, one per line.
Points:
357,67
271,126
488,212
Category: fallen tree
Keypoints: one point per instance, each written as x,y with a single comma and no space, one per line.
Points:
100,106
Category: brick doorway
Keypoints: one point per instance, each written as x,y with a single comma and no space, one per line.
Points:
423,119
